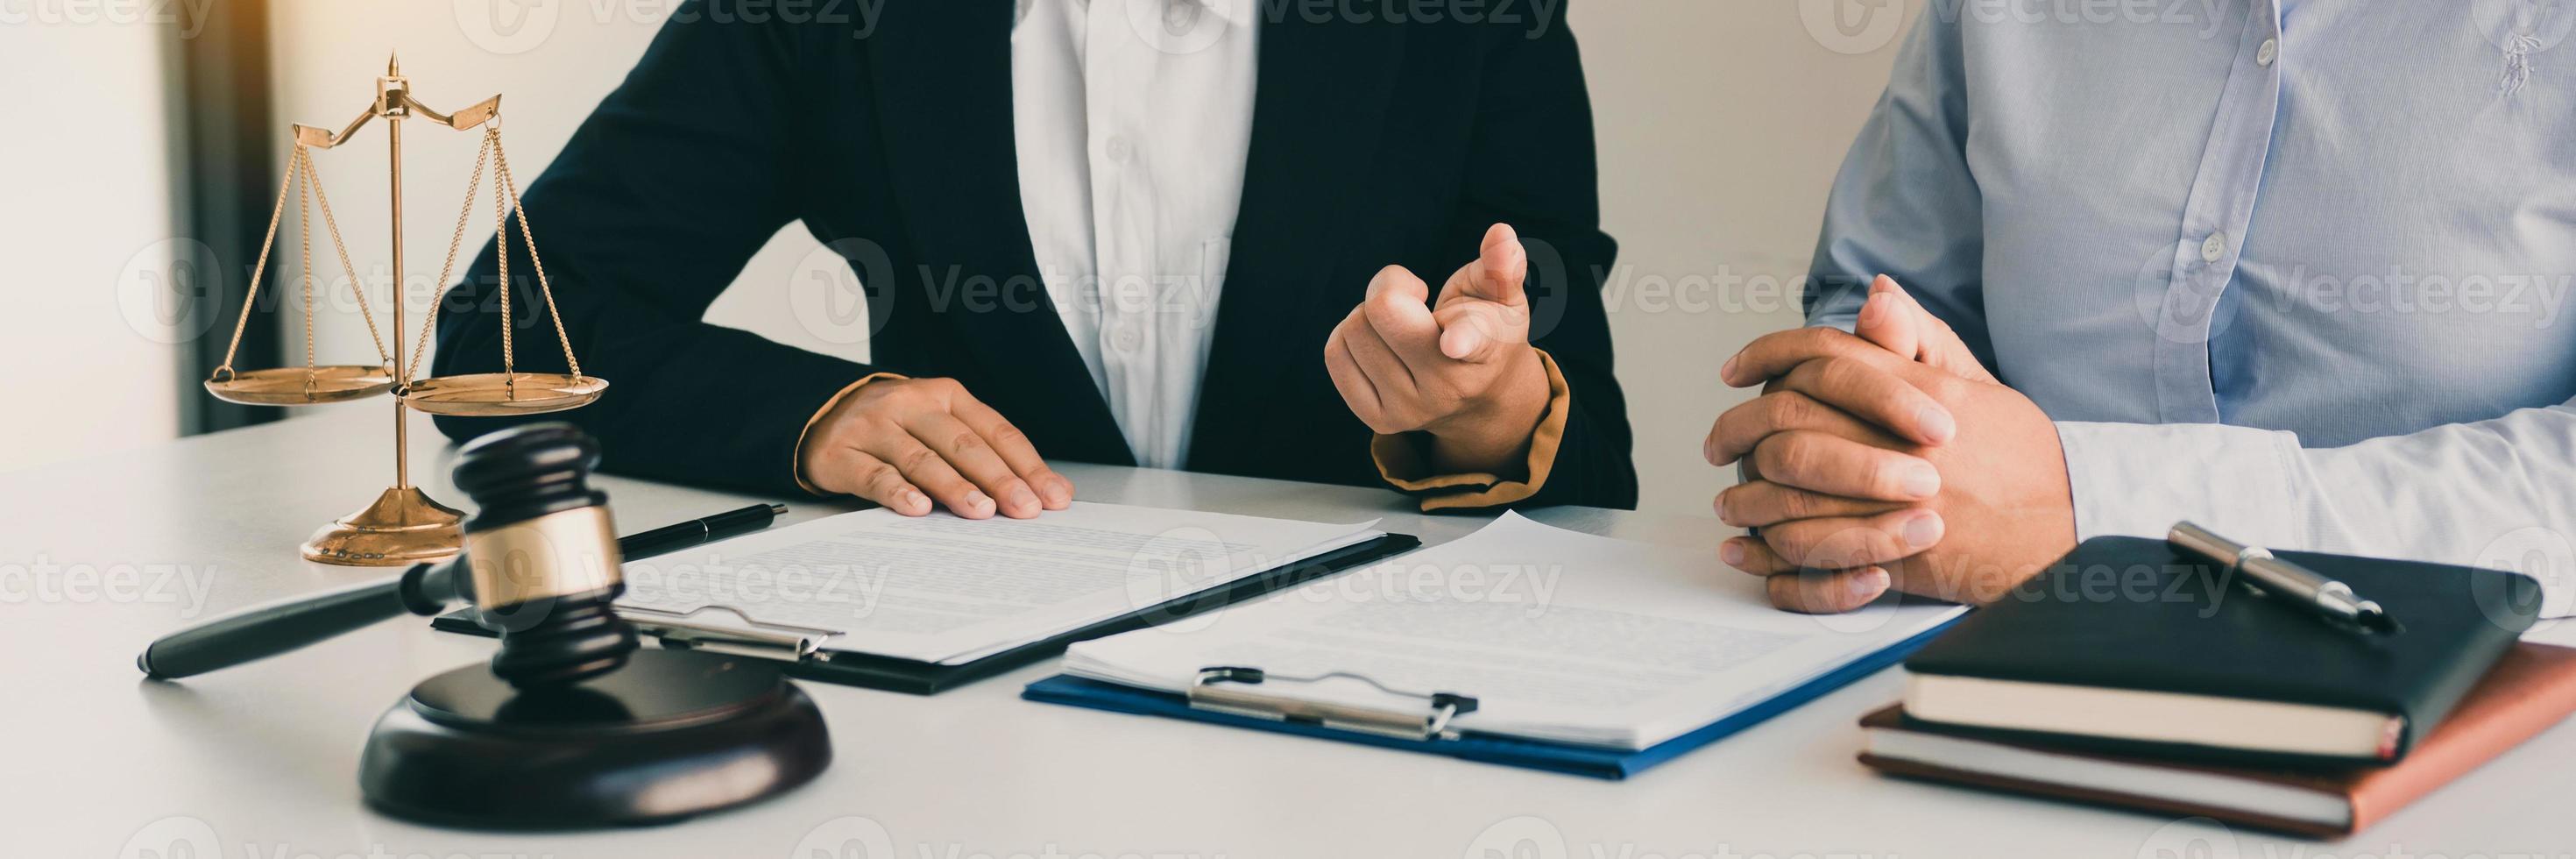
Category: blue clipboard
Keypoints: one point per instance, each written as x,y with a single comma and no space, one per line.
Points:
1593,761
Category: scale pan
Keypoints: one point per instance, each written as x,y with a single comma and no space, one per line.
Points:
502,394
302,386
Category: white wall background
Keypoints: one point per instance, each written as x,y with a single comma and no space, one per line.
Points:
1720,124
85,217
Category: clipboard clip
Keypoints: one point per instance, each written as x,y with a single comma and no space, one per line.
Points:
1222,689
751,638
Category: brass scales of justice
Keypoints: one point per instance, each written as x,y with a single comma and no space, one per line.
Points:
404,526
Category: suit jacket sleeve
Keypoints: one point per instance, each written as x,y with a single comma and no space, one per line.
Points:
1531,164
647,215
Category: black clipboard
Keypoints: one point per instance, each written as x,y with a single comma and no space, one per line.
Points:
929,678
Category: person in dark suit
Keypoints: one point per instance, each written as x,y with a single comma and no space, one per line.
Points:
1114,231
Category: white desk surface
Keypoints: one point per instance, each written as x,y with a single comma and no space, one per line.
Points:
99,556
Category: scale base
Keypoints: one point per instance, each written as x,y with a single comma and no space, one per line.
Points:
402,528
670,735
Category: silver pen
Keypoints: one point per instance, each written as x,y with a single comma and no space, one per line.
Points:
2277,579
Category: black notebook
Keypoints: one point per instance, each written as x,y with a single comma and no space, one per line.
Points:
2131,645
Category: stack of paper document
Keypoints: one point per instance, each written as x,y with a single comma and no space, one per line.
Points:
1560,636
947,590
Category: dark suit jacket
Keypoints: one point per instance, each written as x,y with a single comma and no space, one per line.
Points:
1373,143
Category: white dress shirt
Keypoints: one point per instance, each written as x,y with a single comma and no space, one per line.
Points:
1132,121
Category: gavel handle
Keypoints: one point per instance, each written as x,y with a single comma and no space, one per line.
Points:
267,630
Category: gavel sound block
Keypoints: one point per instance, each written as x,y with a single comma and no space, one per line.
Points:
572,724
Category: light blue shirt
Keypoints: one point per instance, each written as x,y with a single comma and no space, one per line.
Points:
2297,271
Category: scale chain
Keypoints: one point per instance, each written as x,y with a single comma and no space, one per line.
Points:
501,161
501,252
303,180
259,270
313,178
304,234
473,185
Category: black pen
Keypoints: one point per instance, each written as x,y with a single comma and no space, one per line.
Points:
698,532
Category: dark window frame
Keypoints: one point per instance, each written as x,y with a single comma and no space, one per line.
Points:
226,164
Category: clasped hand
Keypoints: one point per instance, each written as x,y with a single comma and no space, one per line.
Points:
1886,458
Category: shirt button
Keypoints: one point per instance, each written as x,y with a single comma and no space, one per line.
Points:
2214,247
2271,50
1126,339
1119,150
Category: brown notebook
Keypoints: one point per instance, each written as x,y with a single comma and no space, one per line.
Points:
2531,689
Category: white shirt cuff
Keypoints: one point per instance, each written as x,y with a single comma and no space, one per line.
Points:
2137,480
